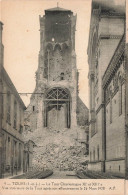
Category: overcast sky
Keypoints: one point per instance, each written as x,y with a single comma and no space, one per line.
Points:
21,39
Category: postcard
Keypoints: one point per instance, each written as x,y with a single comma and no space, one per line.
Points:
63,97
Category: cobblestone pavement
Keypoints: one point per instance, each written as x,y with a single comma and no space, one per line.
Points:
63,175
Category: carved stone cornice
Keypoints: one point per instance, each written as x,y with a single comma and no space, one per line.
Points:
99,108
114,62
106,14
57,43
104,36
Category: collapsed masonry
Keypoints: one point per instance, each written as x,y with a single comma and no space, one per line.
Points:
55,113
65,149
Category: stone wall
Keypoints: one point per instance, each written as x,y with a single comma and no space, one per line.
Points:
12,129
116,167
115,130
106,32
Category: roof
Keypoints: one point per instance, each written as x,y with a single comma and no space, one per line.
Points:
82,103
113,5
58,9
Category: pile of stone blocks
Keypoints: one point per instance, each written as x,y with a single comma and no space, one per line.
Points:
56,149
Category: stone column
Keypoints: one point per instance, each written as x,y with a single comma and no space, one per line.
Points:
73,91
40,117
92,102
103,158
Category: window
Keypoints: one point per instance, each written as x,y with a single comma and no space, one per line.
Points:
8,106
21,129
8,139
15,153
87,138
15,114
96,126
110,109
98,154
62,76
33,108
94,154
90,156
56,99
120,99
19,156
53,39
8,151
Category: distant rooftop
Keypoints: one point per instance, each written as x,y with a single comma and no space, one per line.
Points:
110,5
58,9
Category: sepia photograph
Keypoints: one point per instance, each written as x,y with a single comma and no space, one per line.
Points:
63,89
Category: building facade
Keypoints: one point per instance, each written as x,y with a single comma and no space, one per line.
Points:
54,111
106,58
14,155
126,108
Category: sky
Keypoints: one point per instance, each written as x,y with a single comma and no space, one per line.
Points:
21,39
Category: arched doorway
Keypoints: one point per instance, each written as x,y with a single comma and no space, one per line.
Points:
57,108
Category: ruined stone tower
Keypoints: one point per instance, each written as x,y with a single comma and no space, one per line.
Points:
51,115
57,74
56,77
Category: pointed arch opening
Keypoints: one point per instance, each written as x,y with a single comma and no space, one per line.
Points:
57,108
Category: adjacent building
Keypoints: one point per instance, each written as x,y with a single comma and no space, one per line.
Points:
107,114
126,108
14,155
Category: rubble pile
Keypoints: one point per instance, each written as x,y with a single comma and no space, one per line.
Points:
57,149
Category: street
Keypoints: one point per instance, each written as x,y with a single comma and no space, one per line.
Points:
63,175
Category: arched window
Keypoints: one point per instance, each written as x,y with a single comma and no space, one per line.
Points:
57,104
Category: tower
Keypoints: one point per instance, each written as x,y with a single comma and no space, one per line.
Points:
56,77
53,112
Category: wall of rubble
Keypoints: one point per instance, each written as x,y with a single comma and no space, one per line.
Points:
57,149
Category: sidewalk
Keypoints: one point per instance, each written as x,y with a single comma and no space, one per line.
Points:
34,174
